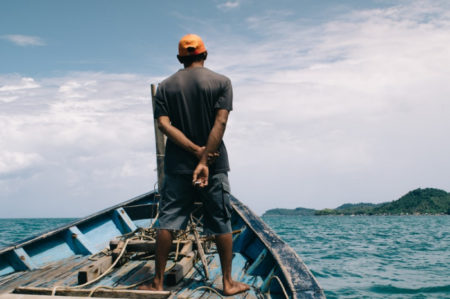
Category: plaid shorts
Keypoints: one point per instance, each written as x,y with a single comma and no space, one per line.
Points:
177,203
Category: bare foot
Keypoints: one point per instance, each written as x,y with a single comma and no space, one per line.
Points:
150,287
234,287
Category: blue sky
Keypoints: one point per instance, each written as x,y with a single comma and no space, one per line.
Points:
118,36
335,101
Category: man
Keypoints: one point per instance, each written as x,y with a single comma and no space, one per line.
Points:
192,108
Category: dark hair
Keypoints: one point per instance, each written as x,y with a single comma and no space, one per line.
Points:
188,60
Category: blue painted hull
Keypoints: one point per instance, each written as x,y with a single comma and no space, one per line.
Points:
261,258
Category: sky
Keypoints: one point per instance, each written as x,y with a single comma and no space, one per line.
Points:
334,101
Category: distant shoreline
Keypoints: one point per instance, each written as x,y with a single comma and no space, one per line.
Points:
418,202
359,215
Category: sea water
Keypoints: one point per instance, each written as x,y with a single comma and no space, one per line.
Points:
351,257
373,256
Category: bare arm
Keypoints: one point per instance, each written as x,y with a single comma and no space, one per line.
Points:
178,137
201,172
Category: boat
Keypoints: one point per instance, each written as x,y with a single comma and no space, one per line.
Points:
61,260
110,253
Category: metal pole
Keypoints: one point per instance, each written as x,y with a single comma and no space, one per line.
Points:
160,144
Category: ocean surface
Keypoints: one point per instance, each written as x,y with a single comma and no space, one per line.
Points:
351,257
373,256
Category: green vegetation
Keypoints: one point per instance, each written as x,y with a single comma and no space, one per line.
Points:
416,202
419,201
290,212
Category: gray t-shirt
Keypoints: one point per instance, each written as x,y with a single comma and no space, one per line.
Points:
190,98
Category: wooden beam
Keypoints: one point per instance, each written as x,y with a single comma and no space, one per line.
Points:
142,211
78,242
142,245
160,144
20,260
187,248
201,253
95,269
180,269
136,294
123,221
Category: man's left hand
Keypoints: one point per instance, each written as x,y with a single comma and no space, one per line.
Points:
200,176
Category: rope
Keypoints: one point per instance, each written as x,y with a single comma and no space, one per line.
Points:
141,233
281,284
207,288
177,250
99,277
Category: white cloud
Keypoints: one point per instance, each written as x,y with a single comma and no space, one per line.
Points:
351,110
17,163
12,87
228,5
24,40
84,136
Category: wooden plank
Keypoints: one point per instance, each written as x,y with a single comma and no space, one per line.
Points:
30,277
78,242
180,270
94,270
144,211
116,253
146,197
299,280
187,248
201,253
136,294
67,276
60,271
146,271
115,277
24,296
21,260
148,246
123,221
10,277
258,261
160,141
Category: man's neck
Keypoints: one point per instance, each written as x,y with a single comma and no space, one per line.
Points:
195,64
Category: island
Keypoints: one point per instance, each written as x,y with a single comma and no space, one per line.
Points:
427,201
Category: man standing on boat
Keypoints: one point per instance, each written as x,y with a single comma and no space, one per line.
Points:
192,108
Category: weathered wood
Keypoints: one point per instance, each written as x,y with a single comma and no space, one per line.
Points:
160,144
92,271
67,269
187,248
180,269
136,200
136,294
143,211
117,251
201,253
300,283
145,271
148,246
35,277
25,296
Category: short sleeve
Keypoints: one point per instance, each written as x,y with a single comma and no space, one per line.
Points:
160,103
225,100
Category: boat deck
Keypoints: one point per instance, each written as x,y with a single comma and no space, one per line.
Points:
87,250
64,273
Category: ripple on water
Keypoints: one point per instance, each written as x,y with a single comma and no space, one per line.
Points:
373,256
16,229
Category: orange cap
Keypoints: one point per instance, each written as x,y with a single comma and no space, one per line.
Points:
191,44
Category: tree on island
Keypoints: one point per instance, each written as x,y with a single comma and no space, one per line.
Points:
416,202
